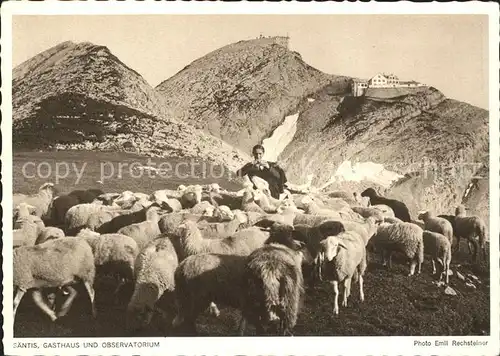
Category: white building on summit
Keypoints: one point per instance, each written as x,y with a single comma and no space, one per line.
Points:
381,80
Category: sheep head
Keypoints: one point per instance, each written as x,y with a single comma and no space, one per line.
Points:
49,188
369,192
23,210
330,247
460,211
331,228
423,215
86,232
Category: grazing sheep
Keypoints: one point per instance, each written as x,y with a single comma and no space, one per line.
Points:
23,211
27,233
263,201
144,231
384,209
201,207
86,196
248,202
230,199
90,215
311,207
400,209
472,228
392,220
274,288
349,198
168,223
343,259
123,218
154,268
366,228
438,247
107,199
404,237
241,243
40,201
437,224
60,206
53,264
49,233
113,253
367,212
222,213
217,230
311,236
204,278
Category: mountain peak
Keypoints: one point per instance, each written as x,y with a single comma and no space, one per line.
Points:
241,92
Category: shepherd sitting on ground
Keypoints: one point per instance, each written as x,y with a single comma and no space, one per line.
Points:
269,171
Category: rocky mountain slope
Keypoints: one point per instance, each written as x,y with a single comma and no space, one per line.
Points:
438,144
81,96
242,92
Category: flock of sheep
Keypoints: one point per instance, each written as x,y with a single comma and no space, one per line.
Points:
203,247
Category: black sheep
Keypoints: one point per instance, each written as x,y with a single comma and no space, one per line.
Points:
86,196
399,208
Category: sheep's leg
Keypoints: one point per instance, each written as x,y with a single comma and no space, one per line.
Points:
390,259
347,291
336,297
384,261
446,271
433,266
361,292
413,264
38,299
91,292
17,299
243,325
68,302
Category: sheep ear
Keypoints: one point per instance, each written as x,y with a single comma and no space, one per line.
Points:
341,244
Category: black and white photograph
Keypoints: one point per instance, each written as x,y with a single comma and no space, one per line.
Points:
180,175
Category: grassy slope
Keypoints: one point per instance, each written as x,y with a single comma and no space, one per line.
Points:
395,304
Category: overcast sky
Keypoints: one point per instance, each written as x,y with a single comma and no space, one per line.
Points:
449,52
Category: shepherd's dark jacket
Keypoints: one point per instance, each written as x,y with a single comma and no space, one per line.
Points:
275,176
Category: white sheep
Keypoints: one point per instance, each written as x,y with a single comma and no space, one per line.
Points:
311,207
472,228
113,253
248,202
437,224
223,213
89,216
144,231
49,233
403,237
343,259
370,211
438,247
154,268
390,220
242,242
40,201
52,264
201,207
26,227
